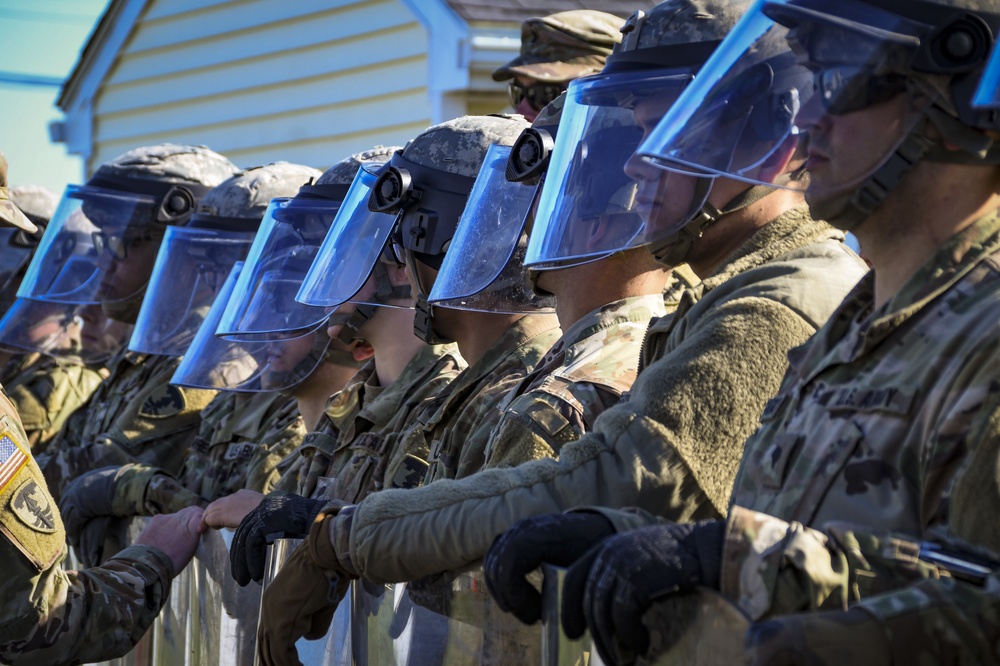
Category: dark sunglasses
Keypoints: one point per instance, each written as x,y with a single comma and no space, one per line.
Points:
848,88
118,245
537,94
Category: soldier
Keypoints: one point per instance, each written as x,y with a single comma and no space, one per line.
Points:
888,419
556,49
771,276
100,249
236,430
52,616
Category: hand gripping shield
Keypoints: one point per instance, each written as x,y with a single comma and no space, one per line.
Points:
484,267
248,366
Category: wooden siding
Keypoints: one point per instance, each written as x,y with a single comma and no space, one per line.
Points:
262,80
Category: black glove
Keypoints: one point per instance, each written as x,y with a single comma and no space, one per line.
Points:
280,515
89,496
611,588
555,538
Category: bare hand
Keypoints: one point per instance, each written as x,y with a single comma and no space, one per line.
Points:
229,511
176,534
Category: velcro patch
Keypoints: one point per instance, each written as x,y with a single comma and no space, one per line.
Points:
240,450
32,507
165,401
13,458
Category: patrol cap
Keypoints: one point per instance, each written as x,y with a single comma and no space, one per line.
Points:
10,214
564,46
36,202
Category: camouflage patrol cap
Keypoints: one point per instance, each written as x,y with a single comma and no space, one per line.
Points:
459,146
343,172
35,201
10,214
551,113
248,193
563,46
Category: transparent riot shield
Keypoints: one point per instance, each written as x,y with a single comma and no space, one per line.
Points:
697,629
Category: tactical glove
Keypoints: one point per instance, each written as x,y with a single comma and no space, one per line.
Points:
88,497
303,597
557,538
280,515
611,587
821,639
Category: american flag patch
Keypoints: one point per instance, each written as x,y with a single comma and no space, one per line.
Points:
12,459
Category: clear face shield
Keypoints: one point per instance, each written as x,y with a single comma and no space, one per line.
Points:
588,206
263,302
250,366
755,111
484,269
350,252
37,326
988,93
14,255
99,247
190,269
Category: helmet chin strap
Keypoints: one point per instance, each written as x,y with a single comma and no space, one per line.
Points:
674,250
423,322
363,312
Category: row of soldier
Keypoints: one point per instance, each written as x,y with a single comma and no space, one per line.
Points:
639,353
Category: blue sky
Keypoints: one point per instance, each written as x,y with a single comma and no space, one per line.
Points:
41,38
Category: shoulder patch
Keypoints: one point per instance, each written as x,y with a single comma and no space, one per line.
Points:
13,458
32,507
165,401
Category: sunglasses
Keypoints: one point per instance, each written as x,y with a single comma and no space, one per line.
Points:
118,245
538,94
848,88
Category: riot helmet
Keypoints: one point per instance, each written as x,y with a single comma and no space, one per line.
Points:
194,260
101,242
426,186
828,58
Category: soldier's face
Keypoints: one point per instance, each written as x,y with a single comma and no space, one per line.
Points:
285,355
845,148
125,276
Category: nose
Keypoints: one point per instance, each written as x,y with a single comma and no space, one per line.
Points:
526,110
812,114
640,170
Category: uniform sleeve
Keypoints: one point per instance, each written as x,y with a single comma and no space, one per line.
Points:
672,449
262,473
771,567
67,617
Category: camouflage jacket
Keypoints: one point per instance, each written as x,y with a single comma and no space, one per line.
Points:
135,415
48,391
365,459
887,419
585,372
448,436
672,447
52,616
242,438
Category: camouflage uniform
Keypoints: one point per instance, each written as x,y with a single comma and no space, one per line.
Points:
448,437
365,459
52,616
242,438
584,373
136,415
672,446
48,391
886,418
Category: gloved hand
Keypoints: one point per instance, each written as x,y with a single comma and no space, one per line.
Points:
287,515
302,598
556,538
611,587
820,639
89,496
90,541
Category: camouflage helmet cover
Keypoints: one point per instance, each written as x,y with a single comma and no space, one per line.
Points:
10,214
248,193
172,163
563,46
343,172
459,146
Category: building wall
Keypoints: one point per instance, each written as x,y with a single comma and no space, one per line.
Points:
306,81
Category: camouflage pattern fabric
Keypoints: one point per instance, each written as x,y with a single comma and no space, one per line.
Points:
48,391
241,440
451,431
878,422
52,616
584,373
135,415
671,447
366,458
